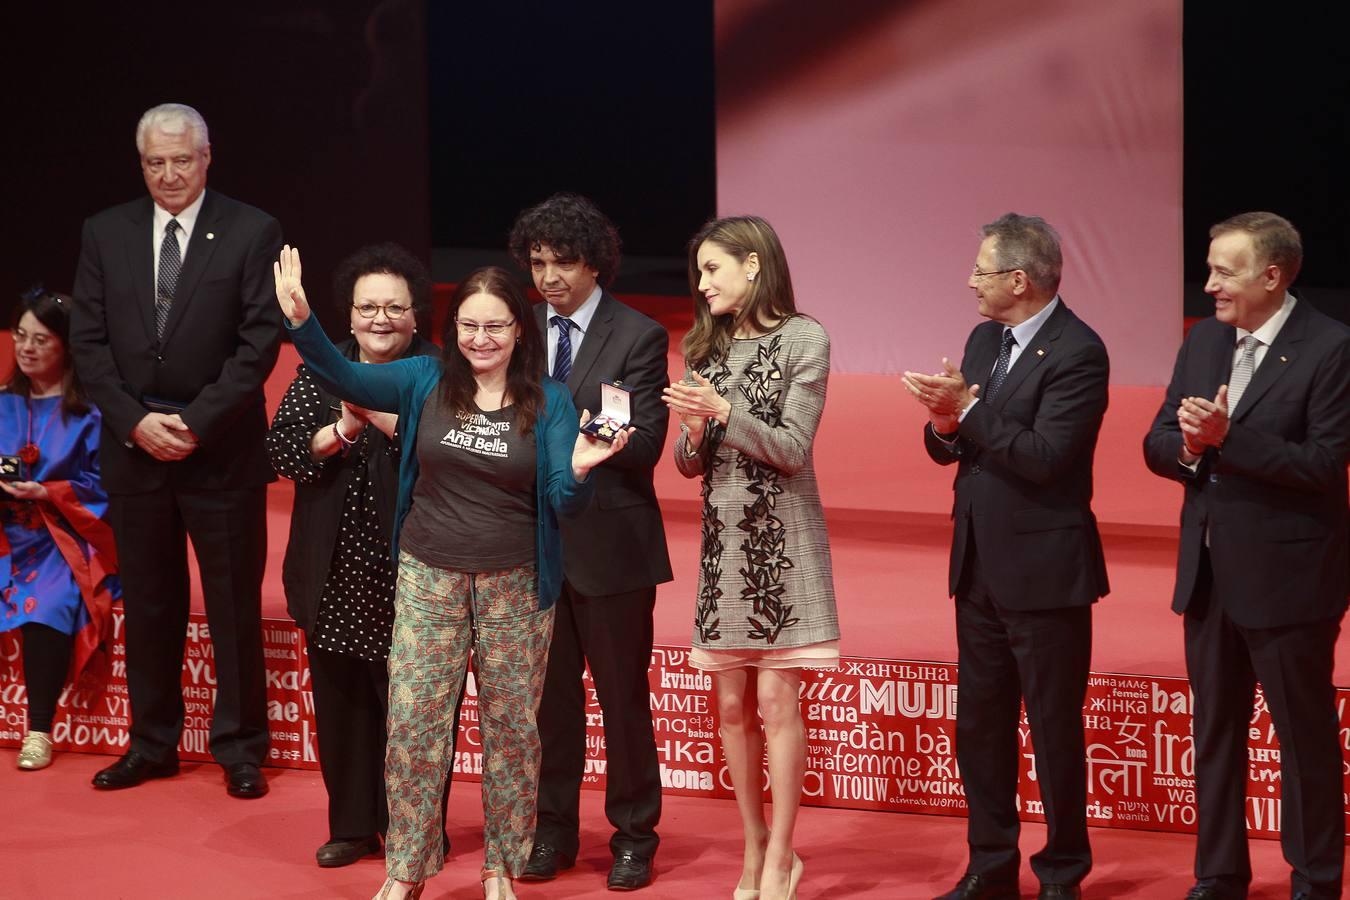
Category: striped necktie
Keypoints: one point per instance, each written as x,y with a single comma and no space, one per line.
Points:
562,359
1242,371
170,264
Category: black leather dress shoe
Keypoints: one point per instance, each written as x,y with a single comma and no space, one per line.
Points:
131,770
245,780
1057,891
629,872
336,854
545,863
1216,889
981,887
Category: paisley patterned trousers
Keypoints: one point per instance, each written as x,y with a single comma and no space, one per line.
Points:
438,615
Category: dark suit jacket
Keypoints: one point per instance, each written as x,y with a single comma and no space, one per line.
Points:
619,543
1024,483
1273,498
219,344
321,489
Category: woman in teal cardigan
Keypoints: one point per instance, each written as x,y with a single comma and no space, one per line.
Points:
491,456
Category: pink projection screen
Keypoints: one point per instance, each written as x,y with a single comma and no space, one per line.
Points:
878,136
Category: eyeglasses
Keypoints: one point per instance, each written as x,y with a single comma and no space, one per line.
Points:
36,341
370,310
491,329
976,273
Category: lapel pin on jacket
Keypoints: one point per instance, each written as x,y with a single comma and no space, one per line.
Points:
1040,351
210,235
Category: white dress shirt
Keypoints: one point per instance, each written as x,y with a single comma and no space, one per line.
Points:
187,220
581,319
1023,334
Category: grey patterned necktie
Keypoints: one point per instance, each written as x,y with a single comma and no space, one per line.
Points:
562,359
1242,371
1001,367
170,264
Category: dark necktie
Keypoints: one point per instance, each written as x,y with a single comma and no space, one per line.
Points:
170,264
562,359
1001,367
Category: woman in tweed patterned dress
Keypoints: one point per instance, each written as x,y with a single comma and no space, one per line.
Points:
749,409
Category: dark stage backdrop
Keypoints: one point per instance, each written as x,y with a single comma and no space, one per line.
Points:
608,98
317,113
1268,127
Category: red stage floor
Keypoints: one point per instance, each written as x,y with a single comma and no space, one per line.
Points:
185,839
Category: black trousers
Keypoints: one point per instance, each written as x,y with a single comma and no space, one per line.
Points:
1006,657
1294,665
228,529
351,701
613,634
351,709
46,657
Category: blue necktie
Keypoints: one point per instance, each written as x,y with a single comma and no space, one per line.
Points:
170,264
1001,367
562,360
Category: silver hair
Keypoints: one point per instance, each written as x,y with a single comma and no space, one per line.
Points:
173,118
1030,244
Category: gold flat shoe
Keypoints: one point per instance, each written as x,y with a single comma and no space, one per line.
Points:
36,752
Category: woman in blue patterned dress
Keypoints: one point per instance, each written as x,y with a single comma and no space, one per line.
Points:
57,560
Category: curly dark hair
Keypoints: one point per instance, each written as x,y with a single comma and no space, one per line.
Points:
387,259
573,228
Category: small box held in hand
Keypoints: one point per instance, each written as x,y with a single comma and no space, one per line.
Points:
12,468
616,412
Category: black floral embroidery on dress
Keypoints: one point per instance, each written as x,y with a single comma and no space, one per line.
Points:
765,545
707,619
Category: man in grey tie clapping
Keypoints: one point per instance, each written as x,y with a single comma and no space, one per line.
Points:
1256,426
174,331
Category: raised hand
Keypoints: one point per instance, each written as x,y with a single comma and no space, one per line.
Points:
589,452
290,292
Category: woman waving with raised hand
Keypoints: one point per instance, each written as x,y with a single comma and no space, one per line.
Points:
491,456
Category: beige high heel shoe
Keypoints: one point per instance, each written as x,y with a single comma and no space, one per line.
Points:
795,876
741,893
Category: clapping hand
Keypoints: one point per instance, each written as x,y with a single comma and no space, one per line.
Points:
945,394
589,452
1203,423
696,403
290,292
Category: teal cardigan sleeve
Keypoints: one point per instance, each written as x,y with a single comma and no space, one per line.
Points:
558,433
381,387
